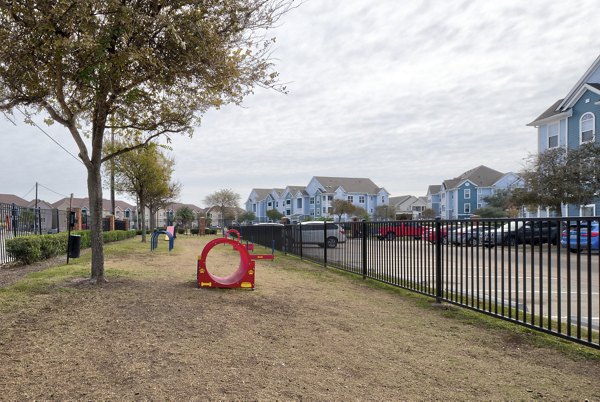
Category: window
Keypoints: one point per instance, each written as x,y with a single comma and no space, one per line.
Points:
312,200
350,198
361,199
330,197
323,198
288,202
588,210
288,212
253,207
467,193
299,203
276,204
312,212
383,200
269,204
586,127
467,208
553,135
324,210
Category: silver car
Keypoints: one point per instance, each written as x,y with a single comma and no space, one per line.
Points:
314,233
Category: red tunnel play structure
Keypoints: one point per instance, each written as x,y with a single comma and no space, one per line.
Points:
243,277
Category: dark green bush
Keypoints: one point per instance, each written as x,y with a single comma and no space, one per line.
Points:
51,245
25,250
195,231
180,230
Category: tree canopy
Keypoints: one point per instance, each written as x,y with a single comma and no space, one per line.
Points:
224,201
341,207
184,216
144,173
559,176
144,68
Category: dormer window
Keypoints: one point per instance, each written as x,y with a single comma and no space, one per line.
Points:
587,128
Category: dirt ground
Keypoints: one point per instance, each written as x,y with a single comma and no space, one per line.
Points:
304,333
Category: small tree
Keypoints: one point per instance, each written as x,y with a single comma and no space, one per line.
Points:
274,215
342,207
144,173
246,217
223,200
384,212
184,216
560,176
361,213
428,213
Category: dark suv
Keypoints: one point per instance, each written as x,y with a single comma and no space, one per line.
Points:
528,232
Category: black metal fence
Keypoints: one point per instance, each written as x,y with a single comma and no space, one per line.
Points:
21,221
542,273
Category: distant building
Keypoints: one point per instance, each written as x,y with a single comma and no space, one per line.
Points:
461,196
314,201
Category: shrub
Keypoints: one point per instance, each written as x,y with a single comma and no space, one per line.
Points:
195,231
29,249
26,250
180,230
52,245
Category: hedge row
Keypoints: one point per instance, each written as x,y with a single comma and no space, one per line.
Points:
29,249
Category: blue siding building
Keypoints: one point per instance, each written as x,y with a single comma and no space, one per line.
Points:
572,121
461,196
314,201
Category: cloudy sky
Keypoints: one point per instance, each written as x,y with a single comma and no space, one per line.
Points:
405,93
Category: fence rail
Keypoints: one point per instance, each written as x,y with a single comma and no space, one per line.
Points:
542,273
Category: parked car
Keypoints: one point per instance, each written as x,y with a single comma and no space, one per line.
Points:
569,237
429,234
470,236
506,234
314,233
528,232
393,230
538,232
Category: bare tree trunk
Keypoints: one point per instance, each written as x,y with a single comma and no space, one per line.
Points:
143,219
95,194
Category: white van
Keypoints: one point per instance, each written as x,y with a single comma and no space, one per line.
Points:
313,233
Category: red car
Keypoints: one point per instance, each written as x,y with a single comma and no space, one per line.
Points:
429,234
397,229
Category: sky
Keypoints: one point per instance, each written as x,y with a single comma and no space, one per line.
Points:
407,94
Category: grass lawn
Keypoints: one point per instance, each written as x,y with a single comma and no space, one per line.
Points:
305,332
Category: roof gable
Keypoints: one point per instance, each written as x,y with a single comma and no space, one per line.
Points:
349,184
13,199
481,176
595,67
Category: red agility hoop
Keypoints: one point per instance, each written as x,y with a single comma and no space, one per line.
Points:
243,277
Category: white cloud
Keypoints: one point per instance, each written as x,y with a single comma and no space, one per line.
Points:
405,93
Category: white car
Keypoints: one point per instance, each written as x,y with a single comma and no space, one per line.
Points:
313,232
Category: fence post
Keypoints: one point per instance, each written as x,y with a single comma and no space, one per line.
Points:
301,244
14,219
364,248
325,243
438,260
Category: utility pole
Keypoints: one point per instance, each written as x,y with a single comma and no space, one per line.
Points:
35,213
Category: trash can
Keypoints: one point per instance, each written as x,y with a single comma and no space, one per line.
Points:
74,246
